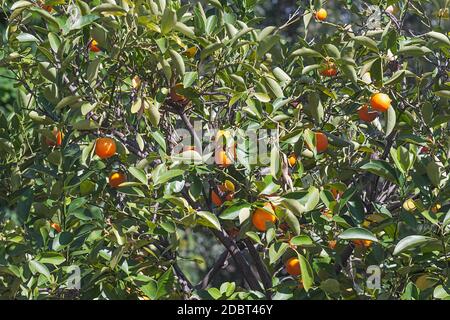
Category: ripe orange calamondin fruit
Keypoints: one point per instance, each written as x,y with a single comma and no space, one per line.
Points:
105,148
321,142
366,115
321,14
116,179
292,159
58,139
362,243
93,46
262,216
293,267
216,199
56,227
329,69
380,102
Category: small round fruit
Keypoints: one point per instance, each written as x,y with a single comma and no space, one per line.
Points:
215,199
292,159
93,46
136,82
116,179
229,186
329,69
222,159
366,115
321,14
56,226
58,139
321,142
293,267
332,244
191,52
409,205
105,148
362,243
261,217
436,208
380,102
47,8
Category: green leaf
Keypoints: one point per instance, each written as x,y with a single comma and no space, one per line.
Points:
26,37
411,242
210,49
189,79
165,284
443,93
87,124
166,176
67,101
439,37
209,220
434,173
413,51
391,120
306,52
276,250
381,168
366,42
37,267
108,7
301,240
232,212
139,174
20,5
178,62
53,258
358,234
168,20
307,273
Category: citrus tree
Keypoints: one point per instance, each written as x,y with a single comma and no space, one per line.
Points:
186,150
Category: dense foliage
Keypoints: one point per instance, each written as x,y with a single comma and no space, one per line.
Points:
102,197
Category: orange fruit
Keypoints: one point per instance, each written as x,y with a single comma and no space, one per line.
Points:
327,213
222,159
261,216
366,115
362,243
93,46
380,102
321,14
58,139
191,52
292,159
215,198
56,226
117,178
175,96
293,267
105,148
336,193
136,82
229,186
47,8
321,142
329,69
332,244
